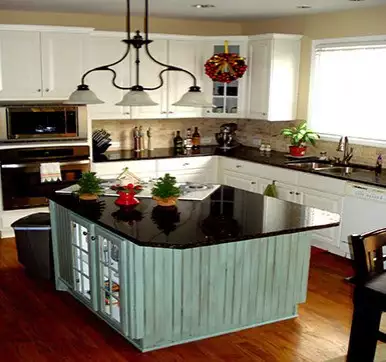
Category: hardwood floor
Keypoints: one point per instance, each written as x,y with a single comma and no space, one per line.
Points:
39,324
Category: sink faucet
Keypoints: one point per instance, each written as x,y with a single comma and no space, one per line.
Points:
343,146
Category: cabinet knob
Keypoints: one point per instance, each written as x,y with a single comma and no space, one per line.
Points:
93,238
85,233
291,192
170,112
38,90
185,164
164,112
253,182
208,111
238,166
126,113
297,193
47,89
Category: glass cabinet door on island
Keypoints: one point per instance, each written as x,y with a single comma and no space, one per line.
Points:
227,98
112,261
83,261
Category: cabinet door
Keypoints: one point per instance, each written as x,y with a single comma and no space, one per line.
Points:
112,284
228,99
83,260
328,202
105,50
149,77
259,78
183,54
62,63
240,181
20,63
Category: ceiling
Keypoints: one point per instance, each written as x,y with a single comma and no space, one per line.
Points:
225,9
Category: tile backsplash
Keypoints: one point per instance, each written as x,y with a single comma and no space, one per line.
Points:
250,132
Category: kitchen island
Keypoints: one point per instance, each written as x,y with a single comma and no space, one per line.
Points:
164,276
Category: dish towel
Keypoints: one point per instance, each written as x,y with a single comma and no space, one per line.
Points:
271,190
50,172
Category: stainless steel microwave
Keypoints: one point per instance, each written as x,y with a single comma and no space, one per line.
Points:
42,122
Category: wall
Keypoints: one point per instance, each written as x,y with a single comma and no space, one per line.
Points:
117,23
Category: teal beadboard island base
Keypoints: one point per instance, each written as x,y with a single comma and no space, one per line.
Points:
158,297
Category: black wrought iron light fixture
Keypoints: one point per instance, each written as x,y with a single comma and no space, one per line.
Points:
137,95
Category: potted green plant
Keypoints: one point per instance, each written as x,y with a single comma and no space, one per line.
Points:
299,136
165,191
89,186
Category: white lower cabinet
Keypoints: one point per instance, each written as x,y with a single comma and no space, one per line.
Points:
240,181
325,238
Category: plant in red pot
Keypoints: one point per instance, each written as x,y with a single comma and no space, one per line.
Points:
127,195
299,136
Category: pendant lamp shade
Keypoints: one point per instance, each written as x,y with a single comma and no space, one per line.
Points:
193,98
136,98
83,95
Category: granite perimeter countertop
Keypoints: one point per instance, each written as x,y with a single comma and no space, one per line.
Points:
251,154
227,215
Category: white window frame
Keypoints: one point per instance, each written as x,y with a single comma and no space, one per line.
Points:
359,40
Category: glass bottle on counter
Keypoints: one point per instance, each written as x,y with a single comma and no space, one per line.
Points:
196,138
188,139
178,143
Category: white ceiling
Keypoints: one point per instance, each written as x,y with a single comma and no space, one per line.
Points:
225,9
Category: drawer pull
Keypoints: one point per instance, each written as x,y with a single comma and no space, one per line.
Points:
238,166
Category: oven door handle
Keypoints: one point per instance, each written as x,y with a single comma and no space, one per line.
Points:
22,165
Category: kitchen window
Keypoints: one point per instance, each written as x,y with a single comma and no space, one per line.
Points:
348,88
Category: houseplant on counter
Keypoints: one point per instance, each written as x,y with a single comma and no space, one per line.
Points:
299,136
89,186
165,191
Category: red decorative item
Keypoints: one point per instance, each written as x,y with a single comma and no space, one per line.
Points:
225,67
127,195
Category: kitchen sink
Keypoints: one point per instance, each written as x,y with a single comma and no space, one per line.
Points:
345,170
310,166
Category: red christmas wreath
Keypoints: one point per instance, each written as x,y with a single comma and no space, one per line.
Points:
225,67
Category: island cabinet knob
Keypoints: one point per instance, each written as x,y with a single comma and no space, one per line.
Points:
297,193
85,233
93,238
238,166
253,183
291,192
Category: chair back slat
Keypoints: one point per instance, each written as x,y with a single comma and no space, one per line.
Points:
368,256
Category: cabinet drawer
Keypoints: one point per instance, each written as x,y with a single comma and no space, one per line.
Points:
179,164
321,183
113,169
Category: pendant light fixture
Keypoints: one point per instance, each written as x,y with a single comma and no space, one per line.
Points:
137,95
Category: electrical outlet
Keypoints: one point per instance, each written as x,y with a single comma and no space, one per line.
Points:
206,140
256,141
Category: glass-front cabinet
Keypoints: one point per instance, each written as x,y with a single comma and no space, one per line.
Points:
112,273
83,259
228,99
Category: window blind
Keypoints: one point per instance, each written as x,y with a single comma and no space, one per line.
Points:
348,94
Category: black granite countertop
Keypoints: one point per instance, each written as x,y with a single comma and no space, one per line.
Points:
228,215
251,154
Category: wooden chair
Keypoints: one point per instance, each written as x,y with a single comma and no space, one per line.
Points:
369,294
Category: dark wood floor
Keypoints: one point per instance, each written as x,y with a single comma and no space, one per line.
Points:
39,324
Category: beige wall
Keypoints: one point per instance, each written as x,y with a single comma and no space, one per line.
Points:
369,21
117,23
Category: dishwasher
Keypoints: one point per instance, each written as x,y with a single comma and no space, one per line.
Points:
364,210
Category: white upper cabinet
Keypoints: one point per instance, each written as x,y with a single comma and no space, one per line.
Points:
106,48
184,54
41,62
20,65
149,78
273,76
63,63
228,98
